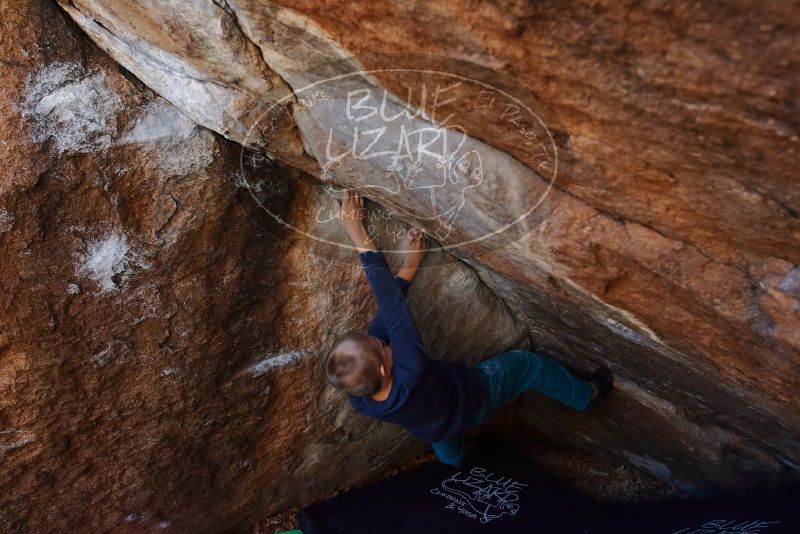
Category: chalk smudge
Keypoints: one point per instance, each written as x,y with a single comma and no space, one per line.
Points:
180,146
117,351
11,439
110,261
6,221
71,107
654,467
274,361
629,333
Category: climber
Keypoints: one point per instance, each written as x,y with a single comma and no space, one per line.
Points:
387,374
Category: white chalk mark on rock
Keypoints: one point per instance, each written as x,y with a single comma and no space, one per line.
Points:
180,146
654,467
274,361
790,283
14,439
629,333
110,261
72,107
116,350
6,221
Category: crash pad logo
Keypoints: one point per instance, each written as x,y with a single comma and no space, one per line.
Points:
480,494
462,152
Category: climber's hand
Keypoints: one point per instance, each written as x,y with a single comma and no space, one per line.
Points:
352,210
351,215
413,247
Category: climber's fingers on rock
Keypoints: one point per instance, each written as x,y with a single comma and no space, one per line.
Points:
344,205
340,204
358,205
336,207
418,240
423,241
348,202
352,206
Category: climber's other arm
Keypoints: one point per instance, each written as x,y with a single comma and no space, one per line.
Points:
351,215
415,247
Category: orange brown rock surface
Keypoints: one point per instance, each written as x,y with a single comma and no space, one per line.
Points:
161,337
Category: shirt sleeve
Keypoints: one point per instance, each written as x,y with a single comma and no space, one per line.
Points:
409,355
376,327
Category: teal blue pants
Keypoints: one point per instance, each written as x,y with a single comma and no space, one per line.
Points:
509,375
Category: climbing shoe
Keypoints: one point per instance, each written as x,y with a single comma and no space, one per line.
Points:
601,381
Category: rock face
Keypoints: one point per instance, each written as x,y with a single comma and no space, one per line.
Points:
168,296
162,337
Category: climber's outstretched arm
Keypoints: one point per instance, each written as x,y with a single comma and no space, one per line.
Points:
395,317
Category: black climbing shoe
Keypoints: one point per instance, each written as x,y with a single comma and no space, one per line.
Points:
601,381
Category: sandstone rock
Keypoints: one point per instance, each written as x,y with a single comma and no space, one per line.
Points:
666,249
663,258
162,336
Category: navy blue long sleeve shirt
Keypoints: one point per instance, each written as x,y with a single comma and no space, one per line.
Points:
434,400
